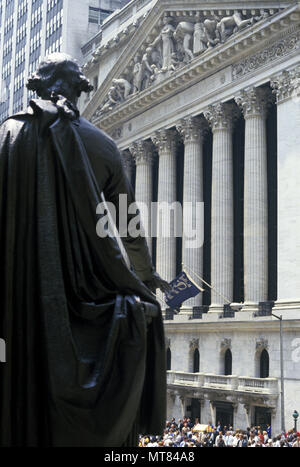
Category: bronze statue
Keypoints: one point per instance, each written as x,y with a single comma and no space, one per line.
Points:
85,360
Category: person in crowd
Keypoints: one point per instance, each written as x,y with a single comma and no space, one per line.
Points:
235,440
220,443
241,441
228,439
296,443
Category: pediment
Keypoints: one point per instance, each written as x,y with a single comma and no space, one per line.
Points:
174,35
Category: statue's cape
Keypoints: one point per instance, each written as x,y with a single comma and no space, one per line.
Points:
79,356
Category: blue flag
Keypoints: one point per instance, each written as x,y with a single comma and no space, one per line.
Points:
183,288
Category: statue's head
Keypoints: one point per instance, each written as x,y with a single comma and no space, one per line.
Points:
167,19
59,74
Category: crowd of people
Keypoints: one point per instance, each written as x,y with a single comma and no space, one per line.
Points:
184,433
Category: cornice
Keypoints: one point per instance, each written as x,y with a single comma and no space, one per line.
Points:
236,47
234,325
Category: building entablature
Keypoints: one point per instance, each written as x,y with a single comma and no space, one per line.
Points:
216,396
231,325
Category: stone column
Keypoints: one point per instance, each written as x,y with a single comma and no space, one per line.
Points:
166,141
248,413
206,415
287,88
142,153
192,130
213,412
128,163
182,405
253,102
220,116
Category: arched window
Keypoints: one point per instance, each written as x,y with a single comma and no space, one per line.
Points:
228,363
168,359
264,364
196,363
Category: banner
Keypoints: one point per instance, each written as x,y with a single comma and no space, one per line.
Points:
183,288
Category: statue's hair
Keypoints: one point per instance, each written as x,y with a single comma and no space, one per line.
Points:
60,74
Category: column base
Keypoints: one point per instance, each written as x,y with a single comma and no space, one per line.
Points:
216,308
250,307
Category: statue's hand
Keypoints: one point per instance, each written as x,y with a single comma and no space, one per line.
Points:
156,282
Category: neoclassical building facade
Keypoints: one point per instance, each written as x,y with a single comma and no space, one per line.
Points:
203,100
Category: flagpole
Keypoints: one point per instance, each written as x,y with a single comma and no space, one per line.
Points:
192,281
206,283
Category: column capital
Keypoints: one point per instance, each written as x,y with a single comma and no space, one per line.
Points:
165,140
192,129
286,84
142,152
221,116
254,101
127,159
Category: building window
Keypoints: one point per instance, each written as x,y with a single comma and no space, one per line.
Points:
168,359
264,364
196,363
228,363
98,15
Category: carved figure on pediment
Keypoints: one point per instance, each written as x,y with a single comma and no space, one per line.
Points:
137,75
147,71
113,98
157,74
232,24
166,40
200,39
263,15
211,32
156,58
97,52
184,35
175,61
123,86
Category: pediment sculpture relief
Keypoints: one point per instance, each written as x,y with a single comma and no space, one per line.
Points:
176,44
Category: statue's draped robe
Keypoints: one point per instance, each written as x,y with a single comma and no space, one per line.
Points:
82,367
